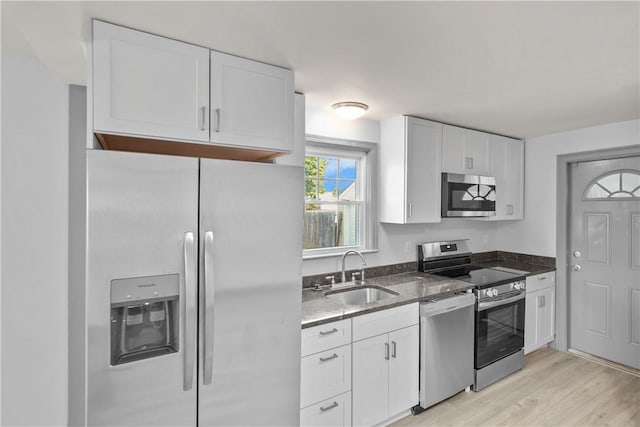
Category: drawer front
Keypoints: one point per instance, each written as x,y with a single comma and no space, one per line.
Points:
334,412
324,337
541,281
324,375
383,321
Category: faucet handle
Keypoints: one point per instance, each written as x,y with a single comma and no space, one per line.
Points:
354,276
332,278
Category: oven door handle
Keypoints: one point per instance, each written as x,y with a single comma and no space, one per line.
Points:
490,304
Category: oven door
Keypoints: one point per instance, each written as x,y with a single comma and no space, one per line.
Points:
468,195
499,328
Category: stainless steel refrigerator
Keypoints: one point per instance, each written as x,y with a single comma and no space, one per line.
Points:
193,291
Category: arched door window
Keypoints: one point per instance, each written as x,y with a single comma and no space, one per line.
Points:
616,185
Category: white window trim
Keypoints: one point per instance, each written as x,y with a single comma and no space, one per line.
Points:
368,179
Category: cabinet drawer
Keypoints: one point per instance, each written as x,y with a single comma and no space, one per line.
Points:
324,375
331,412
324,337
541,281
383,321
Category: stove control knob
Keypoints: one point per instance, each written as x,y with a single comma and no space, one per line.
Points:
492,292
517,286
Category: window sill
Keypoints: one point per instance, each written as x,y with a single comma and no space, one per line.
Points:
336,254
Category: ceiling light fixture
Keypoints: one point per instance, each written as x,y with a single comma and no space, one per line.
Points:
350,110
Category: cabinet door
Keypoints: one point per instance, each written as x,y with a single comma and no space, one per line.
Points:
477,147
453,150
403,369
545,321
530,324
424,145
370,385
334,412
465,151
507,166
515,177
251,104
149,86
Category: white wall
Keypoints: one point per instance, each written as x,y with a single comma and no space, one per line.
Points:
396,243
34,243
536,234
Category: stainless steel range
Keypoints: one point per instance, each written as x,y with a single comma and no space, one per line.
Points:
499,313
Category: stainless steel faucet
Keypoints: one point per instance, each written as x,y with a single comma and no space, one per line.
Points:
364,264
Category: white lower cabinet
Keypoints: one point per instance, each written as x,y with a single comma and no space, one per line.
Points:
333,412
325,374
539,325
385,366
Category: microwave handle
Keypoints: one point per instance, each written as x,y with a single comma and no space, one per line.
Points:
490,304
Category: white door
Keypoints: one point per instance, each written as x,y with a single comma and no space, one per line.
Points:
370,385
545,303
477,147
403,369
424,145
605,256
149,86
251,104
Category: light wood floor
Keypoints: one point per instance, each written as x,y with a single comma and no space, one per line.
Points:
553,389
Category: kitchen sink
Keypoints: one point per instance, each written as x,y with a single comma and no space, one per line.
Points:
361,295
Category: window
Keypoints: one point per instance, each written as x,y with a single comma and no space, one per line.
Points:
624,184
338,203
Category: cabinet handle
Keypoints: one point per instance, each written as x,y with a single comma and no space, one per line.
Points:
393,349
327,408
541,301
326,359
386,351
217,120
542,278
333,331
410,210
203,118
471,162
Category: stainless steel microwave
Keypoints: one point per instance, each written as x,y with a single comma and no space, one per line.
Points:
468,195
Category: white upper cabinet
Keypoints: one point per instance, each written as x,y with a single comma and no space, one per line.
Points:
252,104
410,153
149,86
465,151
507,166
154,88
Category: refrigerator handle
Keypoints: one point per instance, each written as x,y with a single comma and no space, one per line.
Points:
208,308
189,309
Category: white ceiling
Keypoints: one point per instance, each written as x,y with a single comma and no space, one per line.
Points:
517,68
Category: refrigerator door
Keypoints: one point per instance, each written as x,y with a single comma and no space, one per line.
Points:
140,311
250,293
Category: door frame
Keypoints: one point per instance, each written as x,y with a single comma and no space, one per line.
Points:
563,229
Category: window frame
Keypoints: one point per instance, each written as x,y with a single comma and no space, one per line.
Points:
365,154
596,182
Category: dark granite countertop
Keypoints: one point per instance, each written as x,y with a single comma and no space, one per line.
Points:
411,287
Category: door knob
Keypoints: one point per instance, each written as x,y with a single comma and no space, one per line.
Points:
576,267
577,254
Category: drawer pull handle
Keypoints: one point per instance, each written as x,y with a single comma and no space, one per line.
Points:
327,408
542,278
326,359
333,331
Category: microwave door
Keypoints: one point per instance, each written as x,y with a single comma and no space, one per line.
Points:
468,196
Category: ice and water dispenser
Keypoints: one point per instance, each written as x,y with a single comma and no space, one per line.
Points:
144,317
